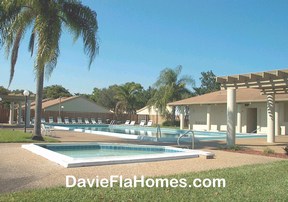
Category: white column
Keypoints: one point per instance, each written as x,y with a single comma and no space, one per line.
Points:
239,118
181,117
208,118
231,105
270,118
11,114
27,118
19,113
277,125
190,118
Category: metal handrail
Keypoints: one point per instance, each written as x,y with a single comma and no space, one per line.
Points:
158,131
186,135
256,129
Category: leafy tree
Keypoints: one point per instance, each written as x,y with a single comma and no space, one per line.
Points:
105,97
46,18
208,83
127,97
55,91
4,91
170,88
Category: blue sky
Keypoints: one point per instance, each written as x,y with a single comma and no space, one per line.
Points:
140,38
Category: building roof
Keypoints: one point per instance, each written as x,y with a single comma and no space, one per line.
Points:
243,95
50,104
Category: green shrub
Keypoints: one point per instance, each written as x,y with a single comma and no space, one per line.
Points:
267,150
286,149
171,123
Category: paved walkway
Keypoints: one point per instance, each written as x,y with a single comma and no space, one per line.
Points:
21,169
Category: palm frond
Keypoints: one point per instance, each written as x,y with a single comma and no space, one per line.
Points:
82,21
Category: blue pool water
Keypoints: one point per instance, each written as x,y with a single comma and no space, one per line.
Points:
103,150
151,132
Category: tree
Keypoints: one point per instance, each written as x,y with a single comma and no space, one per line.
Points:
55,91
127,97
46,19
170,88
4,91
208,83
106,97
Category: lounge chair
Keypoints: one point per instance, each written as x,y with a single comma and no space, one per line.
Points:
127,122
46,130
73,121
150,122
32,121
99,121
93,121
59,119
132,123
51,120
43,120
87,121
112,122
142,123
79,119
66,120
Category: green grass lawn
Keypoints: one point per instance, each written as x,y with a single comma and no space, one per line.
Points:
266,182
9,136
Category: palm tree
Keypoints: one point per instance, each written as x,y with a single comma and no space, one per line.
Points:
45,19
170,88
127,97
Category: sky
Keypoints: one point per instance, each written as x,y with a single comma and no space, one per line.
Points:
140,38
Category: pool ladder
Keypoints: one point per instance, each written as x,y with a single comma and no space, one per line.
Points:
158,131
186,135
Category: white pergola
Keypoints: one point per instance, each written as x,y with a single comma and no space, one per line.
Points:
270,83
20,101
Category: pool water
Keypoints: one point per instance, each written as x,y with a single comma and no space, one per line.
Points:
150,133
102,150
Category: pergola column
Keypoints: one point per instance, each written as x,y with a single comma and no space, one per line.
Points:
208,118
277,115
239,118
231,105
270,118
27,119
11,114
181,117
19,113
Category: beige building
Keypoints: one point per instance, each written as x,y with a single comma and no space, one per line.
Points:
151,113
209,112
72,107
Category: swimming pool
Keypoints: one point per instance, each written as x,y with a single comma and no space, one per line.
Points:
91,154
150,133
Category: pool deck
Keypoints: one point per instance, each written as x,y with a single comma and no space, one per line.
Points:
21,169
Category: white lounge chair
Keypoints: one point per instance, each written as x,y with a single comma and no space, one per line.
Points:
73,121
51,120
93,121
79,119
132,123
43,120
66,120
87,121
99,121
46,130
142,123
112,122
32,121
59,119
150,122
127,122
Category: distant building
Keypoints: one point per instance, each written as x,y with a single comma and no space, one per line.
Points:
209,111
151,113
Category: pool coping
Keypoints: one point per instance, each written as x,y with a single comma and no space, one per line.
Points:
69,162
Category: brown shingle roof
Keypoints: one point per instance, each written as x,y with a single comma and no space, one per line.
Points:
48,102
242,95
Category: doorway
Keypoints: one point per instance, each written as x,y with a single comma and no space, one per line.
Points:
251,120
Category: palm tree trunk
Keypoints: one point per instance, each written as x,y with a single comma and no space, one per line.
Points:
38,108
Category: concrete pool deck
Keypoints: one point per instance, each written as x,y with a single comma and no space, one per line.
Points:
21,169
